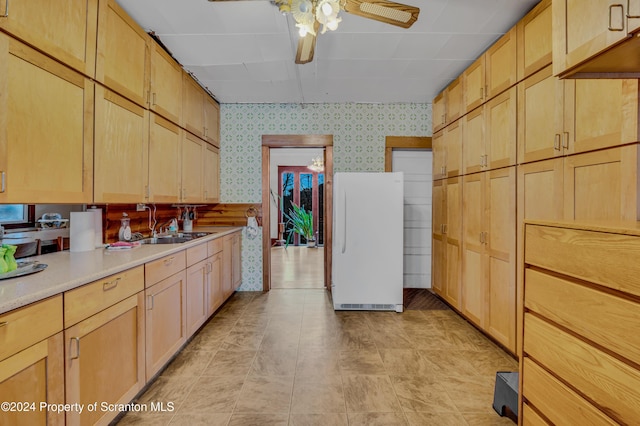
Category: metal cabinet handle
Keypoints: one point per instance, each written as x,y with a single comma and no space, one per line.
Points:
618,5
6,10
150,304
565,140
153,98
77,340
482,238
486,237
3,323
629,16
556,142
169,261
110,285
481,92
3,181
444,228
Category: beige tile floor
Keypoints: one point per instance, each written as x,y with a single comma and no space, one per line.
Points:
297,267
286,358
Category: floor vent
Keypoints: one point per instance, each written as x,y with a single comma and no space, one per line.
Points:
366,307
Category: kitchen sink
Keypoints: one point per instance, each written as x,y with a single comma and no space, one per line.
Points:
166,240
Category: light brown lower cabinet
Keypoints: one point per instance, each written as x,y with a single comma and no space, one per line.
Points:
34,376
197,308
214,283
236,261
166,328
104,360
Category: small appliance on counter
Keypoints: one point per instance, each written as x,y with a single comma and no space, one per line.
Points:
124,234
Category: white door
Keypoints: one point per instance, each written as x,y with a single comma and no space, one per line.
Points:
416,165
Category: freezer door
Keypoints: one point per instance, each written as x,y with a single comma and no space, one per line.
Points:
368,239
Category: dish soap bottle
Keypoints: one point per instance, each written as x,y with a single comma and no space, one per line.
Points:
124,234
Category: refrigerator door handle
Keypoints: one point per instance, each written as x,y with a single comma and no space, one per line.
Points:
344,222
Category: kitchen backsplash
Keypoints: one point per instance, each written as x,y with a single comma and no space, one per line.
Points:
359,132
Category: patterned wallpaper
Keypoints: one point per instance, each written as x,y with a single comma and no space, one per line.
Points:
358,130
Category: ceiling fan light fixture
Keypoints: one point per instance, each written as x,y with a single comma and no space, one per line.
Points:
327,14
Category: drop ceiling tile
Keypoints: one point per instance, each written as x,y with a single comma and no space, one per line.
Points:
466,16
213,50
466,46
359,46
268,71
221,72
421,46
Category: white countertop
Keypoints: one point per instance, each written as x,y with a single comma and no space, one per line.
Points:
67,270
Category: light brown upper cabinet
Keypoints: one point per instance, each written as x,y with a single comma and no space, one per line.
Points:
597,38
192,168
473,152
500,130
46,128
165,141
587,115
534,40
121,148
192,105
65,31
123,57
166,85
473,83
439,110
453,145
500,63
455,100
439,155
211,120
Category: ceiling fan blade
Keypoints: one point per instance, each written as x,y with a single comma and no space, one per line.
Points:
306,49
398,14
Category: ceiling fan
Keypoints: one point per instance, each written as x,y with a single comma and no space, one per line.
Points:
310,15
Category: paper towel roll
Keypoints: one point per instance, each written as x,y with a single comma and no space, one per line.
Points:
97,226
82,234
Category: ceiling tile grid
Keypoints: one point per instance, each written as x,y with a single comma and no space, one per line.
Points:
243,51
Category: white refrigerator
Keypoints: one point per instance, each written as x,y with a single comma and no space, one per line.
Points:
367,241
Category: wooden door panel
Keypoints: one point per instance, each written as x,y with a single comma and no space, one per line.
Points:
164,160
500,130
453,144
534,40
474,141
473,279
501,64
473,84
192,158
439,111
453,239
455,100
439,155
166,85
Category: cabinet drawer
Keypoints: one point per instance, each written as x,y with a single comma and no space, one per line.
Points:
215,246
163,268
560,404
598,376
611,260
608,320
28,325
82,302
196,254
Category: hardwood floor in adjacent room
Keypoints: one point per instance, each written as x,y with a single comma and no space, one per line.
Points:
297,267
287,358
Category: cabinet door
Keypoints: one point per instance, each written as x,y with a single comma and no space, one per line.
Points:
534,40
46,129
473,280
214,282
165,140
104,361
121,149
500,130
540,197
581,30
192,164
439,110
453,144
473,84
211,121
166,85
33,376
602,185
473,153
438,218
192,105
236,261
500,262
439,155
500,65
539,105
455,100
166,329
197,307
227,266
211,174
599,114
65,31
453,240
123,58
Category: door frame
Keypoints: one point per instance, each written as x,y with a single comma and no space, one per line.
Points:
403,142
296,141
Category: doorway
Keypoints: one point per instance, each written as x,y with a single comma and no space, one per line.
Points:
322,259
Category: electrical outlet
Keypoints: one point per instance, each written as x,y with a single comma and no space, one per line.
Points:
140,207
